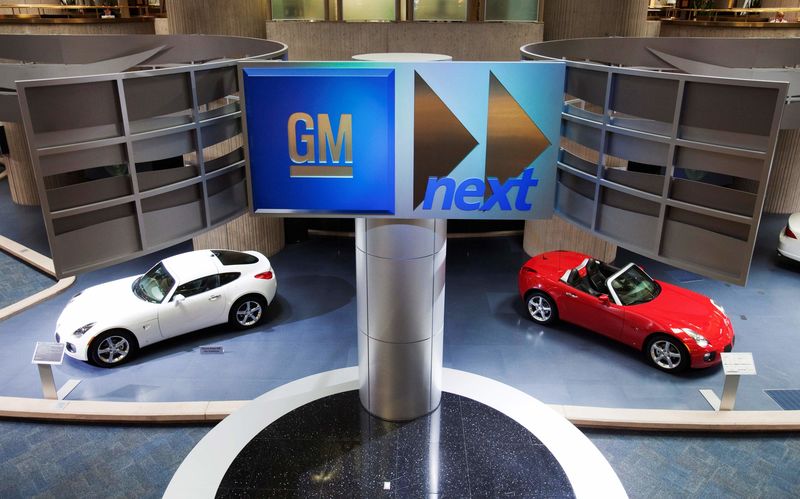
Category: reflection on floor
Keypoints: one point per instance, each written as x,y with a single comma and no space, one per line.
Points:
312,328
79,461
333,448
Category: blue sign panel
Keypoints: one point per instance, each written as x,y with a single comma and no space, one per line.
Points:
321,140
409,140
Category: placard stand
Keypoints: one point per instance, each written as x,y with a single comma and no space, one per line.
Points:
45,355
734,365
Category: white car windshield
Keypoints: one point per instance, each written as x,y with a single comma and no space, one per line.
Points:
154,285
633,286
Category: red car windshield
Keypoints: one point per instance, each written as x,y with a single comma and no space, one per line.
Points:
634,286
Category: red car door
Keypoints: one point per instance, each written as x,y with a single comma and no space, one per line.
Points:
599,315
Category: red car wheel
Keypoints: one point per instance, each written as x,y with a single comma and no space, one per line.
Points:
667,354
541,308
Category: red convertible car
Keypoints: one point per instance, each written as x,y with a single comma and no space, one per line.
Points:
675,328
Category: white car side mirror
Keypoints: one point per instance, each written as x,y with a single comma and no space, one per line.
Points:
178,299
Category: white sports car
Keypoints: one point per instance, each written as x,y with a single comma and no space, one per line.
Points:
106,324
788,244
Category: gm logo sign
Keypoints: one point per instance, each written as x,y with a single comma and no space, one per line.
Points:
406,140
303,153
321,140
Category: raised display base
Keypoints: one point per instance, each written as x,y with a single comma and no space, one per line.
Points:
335,448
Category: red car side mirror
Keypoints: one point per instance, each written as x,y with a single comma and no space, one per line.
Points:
603,300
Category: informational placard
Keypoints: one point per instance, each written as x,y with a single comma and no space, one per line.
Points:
738,363
212,349
475,140
48,353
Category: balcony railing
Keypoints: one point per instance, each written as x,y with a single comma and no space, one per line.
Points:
732,15
49,11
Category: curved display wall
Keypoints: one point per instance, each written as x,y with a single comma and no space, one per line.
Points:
670,164
138,158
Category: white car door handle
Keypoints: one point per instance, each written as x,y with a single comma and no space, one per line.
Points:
571,295
214,297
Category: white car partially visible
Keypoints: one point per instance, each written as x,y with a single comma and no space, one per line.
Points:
106,324
788,242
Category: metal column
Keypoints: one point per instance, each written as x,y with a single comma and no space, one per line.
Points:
400,274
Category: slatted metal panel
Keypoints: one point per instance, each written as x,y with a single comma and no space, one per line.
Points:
126,163
677,165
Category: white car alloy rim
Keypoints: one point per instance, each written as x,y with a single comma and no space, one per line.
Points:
248,313
113,349
665,354
539,308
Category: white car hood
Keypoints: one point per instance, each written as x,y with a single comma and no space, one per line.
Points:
111,304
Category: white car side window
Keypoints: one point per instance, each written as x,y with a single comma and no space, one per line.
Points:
198,286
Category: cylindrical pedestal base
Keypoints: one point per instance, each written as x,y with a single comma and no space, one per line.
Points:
556,234
400,274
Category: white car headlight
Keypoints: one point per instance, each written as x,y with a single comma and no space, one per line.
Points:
719,307
82,330
697,337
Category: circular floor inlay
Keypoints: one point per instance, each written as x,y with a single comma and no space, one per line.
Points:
333,448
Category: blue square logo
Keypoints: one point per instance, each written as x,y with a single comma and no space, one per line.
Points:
321,139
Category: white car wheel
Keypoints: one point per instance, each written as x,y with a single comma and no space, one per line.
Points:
247,311
112,348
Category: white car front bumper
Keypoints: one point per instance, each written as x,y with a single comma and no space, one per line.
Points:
75,347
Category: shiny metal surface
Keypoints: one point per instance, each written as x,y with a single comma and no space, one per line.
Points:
399,299
400,276
399,238
399,379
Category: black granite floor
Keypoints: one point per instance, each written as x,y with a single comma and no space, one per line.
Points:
333,448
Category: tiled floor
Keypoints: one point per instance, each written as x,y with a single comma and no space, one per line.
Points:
90,461
333,448
87,461
670,465
19,280
23,224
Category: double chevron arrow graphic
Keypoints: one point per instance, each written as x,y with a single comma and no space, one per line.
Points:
441,142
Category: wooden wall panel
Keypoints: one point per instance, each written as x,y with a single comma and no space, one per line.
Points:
214,17
20,170
564,19
248,232
783,190
556,234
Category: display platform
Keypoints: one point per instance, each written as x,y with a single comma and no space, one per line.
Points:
312,328
312,438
